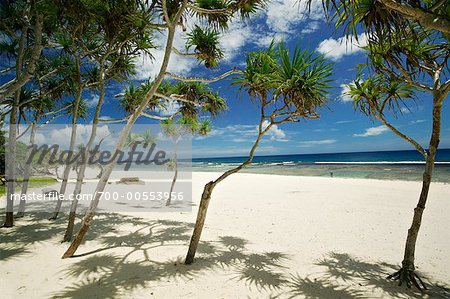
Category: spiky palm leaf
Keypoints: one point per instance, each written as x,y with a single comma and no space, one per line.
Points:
206,45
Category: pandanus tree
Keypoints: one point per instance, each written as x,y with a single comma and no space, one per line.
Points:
169,16
399,69
75,37
122,32
24,34
288,87
44,105
43,112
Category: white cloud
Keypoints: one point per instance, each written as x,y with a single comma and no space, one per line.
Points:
311,27
106,117
232,40
373,131
335,49
344,97
343,122
278,21
148,68
92,102
171,108
58,134
275,133
311,143
417,121
283,16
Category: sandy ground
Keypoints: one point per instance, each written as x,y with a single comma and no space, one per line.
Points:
265,236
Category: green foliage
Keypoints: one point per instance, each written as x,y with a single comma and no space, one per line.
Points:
374,16
303,79
376,95
216,20
206,45
299,80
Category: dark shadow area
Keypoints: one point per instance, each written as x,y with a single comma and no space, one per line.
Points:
343,276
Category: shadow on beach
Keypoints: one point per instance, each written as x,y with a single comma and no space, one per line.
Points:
103,272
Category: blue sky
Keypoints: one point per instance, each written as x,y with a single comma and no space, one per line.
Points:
339,129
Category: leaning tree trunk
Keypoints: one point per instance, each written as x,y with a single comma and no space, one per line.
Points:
121,141
80,176
207,193
73,137
27,171
407,272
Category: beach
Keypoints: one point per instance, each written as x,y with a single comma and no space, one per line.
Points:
265,236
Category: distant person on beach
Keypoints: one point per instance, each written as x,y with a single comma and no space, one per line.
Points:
331,174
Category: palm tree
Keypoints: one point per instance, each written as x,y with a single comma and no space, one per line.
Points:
287,88
403,67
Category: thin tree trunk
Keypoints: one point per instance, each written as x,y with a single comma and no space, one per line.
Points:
80,176
409,255
207,193
123,136
73,137
12,141
407,272
27,171
23,77
169,199
11,163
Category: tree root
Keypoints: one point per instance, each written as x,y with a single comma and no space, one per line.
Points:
410,277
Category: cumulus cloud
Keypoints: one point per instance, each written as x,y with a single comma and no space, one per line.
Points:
92,102
311,143
285,15
149,68
344,97
335,49
373,131
58,134
170,109
275,133
278,21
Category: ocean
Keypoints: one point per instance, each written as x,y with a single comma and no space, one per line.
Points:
388,165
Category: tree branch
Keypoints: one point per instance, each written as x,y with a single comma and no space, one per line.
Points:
57,111
111,121
7,70
203,80
403,136
178,52
428,20
173,98
209,11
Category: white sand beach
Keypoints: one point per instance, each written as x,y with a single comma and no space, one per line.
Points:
265,236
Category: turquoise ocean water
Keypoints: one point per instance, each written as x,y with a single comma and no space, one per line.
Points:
389,165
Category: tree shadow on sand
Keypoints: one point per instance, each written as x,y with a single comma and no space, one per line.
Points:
36,228
105,274
345,276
